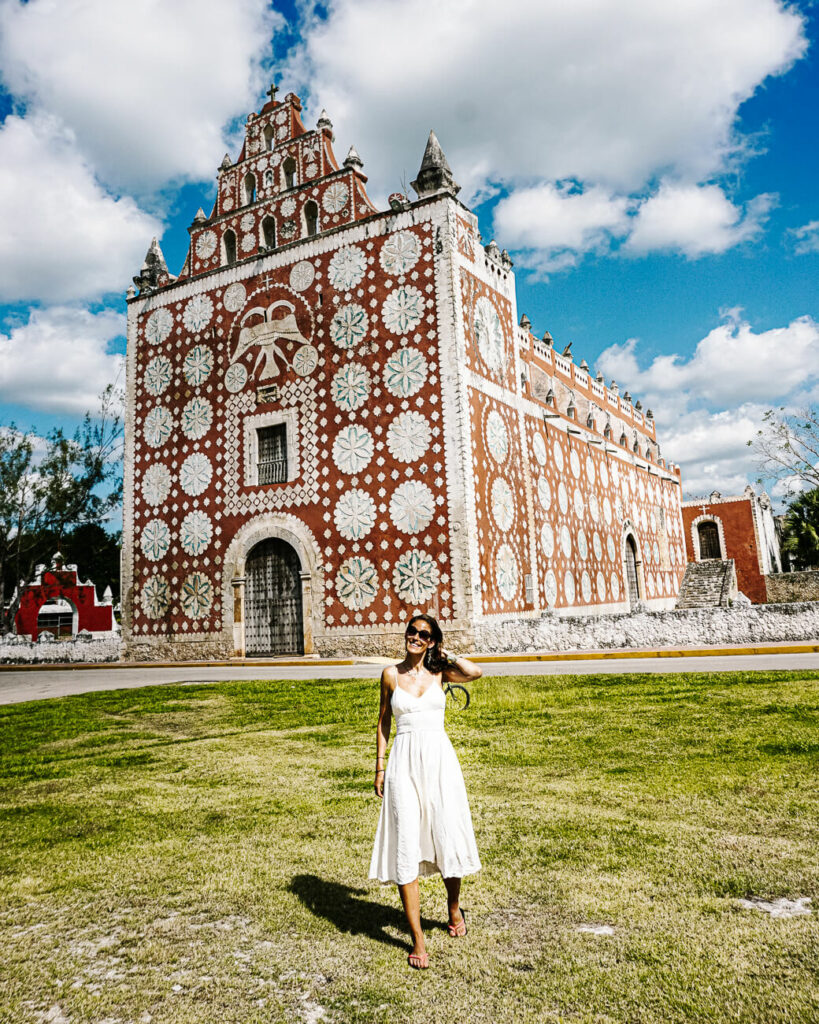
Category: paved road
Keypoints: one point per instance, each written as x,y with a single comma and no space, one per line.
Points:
48,683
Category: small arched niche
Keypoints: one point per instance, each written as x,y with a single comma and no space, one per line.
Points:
311,214
229,246
250,188
289,172
269,233
268,136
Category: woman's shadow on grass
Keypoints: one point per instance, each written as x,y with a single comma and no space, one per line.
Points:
341,905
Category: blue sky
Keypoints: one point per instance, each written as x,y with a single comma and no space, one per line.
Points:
651,168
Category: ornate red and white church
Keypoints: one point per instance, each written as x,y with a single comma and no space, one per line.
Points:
336,417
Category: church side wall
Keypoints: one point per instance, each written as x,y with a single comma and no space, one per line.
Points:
739,530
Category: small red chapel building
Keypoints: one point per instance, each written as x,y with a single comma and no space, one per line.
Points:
740,527
62,584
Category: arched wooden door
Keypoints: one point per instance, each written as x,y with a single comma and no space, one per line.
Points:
709,540
274,622
631,572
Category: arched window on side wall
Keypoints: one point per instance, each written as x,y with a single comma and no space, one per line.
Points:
311,218
709,540
250,189
289,172
268,136
229,242
269,233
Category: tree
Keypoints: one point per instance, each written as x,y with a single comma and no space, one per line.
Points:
801,530
787,447
52,485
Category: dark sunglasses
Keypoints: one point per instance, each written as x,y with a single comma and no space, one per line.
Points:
422,634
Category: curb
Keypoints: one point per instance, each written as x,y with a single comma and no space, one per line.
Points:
481,659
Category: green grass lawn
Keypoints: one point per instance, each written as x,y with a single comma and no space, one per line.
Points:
199,854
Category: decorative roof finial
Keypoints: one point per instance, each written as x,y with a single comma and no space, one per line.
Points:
226,163
435,175
353,160
324,121
525,322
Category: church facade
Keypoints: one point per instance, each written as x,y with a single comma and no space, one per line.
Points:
335,417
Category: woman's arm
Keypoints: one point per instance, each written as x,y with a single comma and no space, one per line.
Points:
460,670
382,734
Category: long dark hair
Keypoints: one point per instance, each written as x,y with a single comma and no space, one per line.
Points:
433,659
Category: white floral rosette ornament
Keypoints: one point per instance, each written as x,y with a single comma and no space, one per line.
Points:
156,483
335,197
157,427
302,276
195,474
349,326
497,437
357,583
196,532
206,245
197,596
506,572
400,253
235,297
550,588
544,493
350,387
235,378
198,364
197,417
539,449
353,449
155,539
569,588
547,540
404,372
403,309
354,514
197,313
415,577
601,586
502,504
408,436
347,268
158,375
155,597
412,506
158,326
489,334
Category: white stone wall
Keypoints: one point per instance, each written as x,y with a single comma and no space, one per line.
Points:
18,650
684,628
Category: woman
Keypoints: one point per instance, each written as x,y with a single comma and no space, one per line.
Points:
425,825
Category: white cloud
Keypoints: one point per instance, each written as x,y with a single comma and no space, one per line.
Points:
146,86
63,236
541,90
707,407
59,360
695,220
806,238
731,364
556,223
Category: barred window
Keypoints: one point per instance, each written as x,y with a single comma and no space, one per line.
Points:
272,457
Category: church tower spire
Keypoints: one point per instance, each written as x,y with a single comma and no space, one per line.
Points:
435,175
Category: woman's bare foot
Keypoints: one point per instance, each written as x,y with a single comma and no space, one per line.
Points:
457,924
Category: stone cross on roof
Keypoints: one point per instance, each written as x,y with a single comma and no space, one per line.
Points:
271,92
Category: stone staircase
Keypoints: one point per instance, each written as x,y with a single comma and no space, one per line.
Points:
708,584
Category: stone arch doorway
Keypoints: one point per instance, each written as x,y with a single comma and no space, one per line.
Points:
709,540
274,613
631,570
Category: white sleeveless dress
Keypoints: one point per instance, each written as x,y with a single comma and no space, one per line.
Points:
425,825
